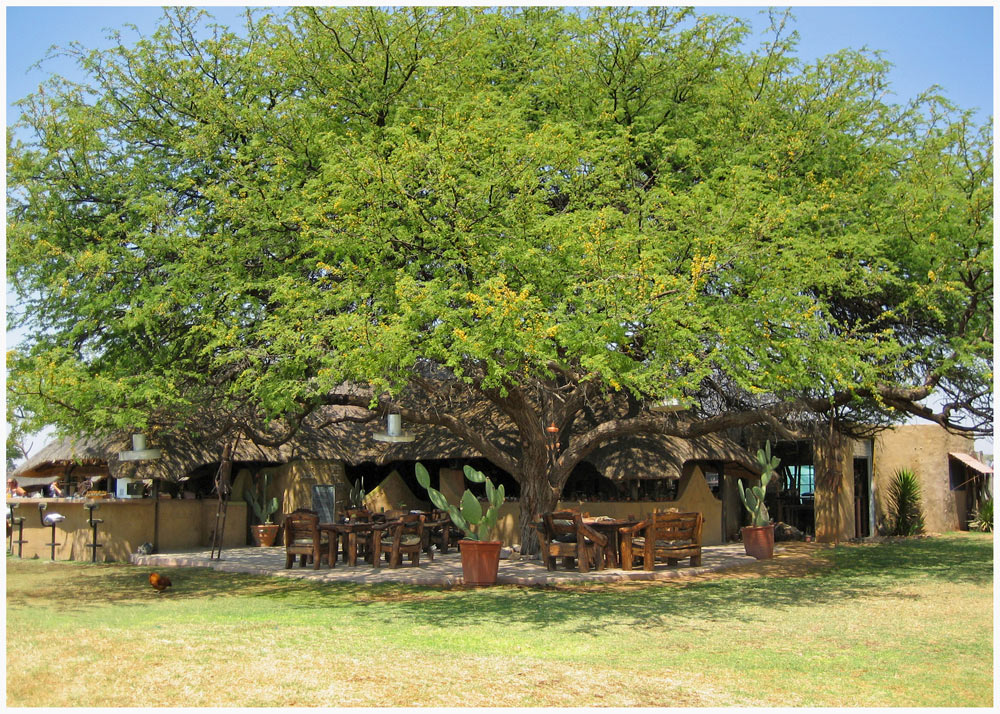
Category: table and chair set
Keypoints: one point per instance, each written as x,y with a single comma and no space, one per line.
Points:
370,536
604,542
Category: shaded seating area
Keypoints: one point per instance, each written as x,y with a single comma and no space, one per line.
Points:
304,539
662,536
563,534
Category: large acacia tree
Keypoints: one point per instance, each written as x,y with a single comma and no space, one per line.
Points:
564,216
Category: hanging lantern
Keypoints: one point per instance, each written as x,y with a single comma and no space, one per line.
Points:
551,436
394,431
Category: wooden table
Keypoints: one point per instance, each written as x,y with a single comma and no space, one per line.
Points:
348,535
610,528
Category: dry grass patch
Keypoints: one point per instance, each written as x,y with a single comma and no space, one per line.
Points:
896,624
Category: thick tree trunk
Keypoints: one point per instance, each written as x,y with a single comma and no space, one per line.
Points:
537,497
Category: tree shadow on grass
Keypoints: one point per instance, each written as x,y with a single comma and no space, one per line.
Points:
966,558
76,586
855,571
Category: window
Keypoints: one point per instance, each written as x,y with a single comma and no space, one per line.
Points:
712,478
807,480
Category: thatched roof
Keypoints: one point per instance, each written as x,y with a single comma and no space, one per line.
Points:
323,437
349,442
84,450
665,456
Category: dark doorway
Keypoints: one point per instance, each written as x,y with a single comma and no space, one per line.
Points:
862,498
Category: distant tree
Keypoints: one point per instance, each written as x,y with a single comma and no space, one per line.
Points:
569,216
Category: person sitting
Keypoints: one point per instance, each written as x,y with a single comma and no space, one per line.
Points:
13,490
54,490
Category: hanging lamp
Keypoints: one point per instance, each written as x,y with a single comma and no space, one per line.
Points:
394,431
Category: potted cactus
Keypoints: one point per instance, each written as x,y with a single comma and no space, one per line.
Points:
265,532
356,495
758,537
480,557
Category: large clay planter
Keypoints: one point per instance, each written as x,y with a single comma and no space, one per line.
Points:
265,534
480,561
758,541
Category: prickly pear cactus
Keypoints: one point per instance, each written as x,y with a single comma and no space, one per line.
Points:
753,497
469,514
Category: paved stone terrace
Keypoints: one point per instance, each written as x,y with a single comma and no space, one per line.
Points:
445,570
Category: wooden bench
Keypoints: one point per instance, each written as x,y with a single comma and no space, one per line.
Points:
663,536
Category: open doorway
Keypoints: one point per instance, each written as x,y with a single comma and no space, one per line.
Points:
862,497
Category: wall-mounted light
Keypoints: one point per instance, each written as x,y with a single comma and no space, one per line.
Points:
394,431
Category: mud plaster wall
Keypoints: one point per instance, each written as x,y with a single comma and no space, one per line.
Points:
922,448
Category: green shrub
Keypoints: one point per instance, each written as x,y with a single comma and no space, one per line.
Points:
982,517
905,517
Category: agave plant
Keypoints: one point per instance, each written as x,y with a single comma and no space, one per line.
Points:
905,516
753,497
469,514
982,517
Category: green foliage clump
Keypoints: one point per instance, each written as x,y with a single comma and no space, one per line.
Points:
905,515
982,517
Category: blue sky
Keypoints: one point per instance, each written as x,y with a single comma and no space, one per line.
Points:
948,46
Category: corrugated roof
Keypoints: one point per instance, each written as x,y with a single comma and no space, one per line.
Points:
972,462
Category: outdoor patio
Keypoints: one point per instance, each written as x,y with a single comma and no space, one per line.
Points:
443,571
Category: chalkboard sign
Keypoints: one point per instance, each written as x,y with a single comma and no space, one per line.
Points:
324,497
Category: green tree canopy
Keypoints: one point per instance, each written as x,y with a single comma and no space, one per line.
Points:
567,215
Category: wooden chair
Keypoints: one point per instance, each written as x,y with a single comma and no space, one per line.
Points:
564,534
439,530
662,536
358,514
403,536
303,538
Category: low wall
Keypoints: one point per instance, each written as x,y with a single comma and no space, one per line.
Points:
127,523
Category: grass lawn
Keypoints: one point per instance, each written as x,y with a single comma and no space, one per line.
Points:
906,623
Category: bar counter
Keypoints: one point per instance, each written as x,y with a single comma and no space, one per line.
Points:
170,524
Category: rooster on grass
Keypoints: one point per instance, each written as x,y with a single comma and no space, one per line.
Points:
159,582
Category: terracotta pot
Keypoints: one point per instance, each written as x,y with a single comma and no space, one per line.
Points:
264,535
758,541
480,561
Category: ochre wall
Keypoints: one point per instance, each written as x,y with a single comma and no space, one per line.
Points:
127,523
293,482
922,448
735,512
